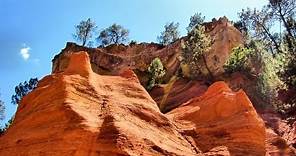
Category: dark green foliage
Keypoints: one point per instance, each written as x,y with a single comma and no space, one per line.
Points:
194,49
84,31
196,19
261,24
170,34
133,42
257,62
274,25
23,89
115,34
287,74
238,60
156,73
240,26
267,82
7,125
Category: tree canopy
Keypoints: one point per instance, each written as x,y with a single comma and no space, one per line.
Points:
194,49
84,31
196,19
115,34
170,34
23,89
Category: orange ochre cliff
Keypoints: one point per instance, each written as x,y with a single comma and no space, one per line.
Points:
78,112
94,103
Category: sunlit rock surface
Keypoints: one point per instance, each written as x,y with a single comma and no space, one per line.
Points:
222,117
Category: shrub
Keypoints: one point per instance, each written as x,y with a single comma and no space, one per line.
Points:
238,60
23,89
156,73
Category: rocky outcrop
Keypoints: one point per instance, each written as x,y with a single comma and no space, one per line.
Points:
114,58
78,112
225,37
222,117
180,91
281,136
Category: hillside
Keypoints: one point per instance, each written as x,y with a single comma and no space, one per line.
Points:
95,103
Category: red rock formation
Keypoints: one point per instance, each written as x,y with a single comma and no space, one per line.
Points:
281,137
221,117
111,59
77,112
225,37
182,91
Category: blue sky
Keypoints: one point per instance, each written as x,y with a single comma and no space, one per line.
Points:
33,31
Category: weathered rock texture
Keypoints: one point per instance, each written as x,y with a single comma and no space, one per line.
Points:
225,37
281,136
81,113
178,93
222,117
114,58
78,112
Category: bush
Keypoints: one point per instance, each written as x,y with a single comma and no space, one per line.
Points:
255,60
132,43
239,60
23,89
156,73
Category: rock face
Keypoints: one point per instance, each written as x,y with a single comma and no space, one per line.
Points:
225,37
182,90
222,117
281,136
80,113
77,112
114,58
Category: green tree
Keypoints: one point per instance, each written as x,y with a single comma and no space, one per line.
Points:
170,34
196,19
23,89
238,60
194,50
287,73
284,11
84,31
275,26
156,73
255,60
259,23
115,34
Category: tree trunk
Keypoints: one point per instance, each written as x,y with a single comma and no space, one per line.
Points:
207,67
